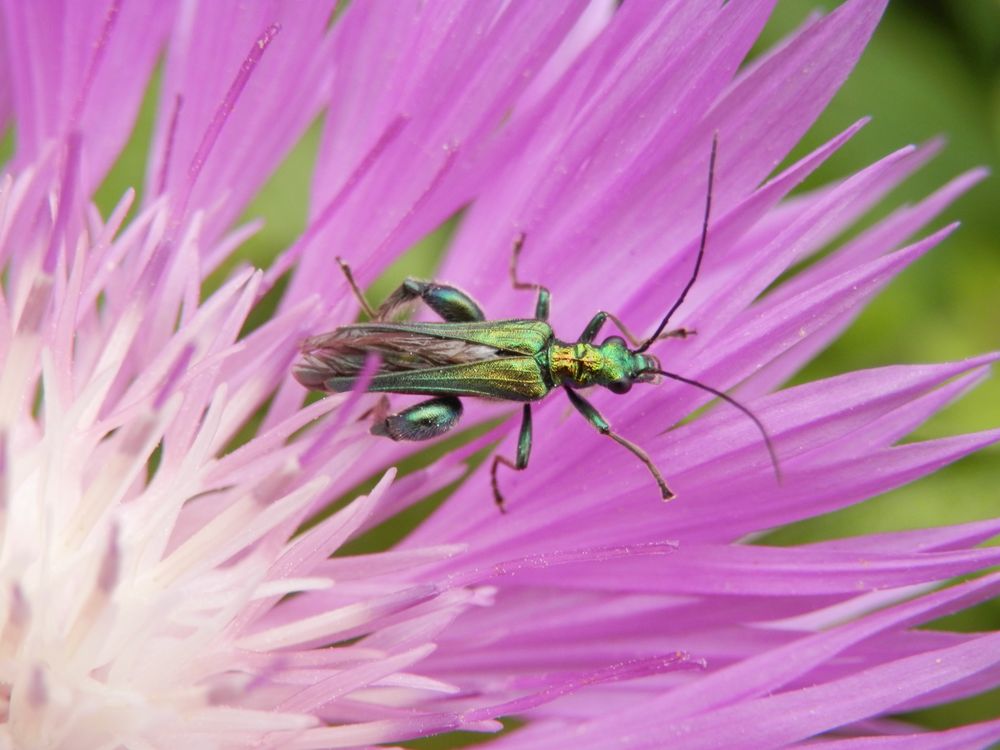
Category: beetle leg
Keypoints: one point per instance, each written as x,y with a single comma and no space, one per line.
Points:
597,322
354,287
542,303
593,327
601,424
453,305
677,333
523,452
378,412
422,421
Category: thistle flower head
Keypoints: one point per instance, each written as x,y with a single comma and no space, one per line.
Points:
173,570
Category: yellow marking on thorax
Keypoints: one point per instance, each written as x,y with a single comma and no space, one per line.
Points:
577,362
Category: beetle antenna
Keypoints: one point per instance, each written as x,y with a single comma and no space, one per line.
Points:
732,402
701,250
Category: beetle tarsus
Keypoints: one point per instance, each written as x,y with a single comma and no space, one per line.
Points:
678,333
523,454
359,295
544,296
497,495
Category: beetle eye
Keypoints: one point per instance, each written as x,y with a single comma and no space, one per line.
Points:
620,386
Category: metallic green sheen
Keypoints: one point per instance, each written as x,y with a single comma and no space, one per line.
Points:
422,421
524,440
519,336
506,378
451,304
611,364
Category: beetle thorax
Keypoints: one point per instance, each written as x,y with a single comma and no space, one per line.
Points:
582,365
575,364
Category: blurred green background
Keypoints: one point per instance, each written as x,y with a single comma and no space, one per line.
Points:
932,68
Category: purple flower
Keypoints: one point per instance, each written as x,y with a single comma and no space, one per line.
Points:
167,581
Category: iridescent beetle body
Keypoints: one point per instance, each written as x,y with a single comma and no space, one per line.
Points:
510,360
466,355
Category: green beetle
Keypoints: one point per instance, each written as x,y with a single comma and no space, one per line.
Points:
511,360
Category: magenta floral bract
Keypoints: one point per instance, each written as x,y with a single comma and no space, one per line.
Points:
156,588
